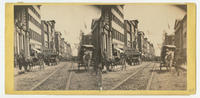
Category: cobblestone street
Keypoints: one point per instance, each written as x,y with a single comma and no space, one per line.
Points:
169,80
56,78
146,76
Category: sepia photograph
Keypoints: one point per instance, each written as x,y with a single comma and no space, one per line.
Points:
100,47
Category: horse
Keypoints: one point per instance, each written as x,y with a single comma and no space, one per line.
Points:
37,61
87,61
119,61
168,61
22,62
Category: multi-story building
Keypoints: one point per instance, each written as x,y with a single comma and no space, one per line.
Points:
62,46
34,26
45,35
180,28
117,27
58,42
134,34
145,48
27,29
51,29
130,34
140,40
21,34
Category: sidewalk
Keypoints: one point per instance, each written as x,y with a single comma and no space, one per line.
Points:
36,68
27,80
183,67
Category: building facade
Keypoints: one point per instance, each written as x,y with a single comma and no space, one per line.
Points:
128,40
62,47
45,35
27,29
21,34
131,34
180,28
117,25
140,43
58,42
52,34
135,34
34,26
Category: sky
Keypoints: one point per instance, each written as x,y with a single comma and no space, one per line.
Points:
70,20
153,20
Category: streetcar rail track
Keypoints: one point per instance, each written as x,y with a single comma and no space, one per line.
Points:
151,78
133,74
69,77
45,79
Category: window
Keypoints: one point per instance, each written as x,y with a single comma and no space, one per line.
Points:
118,11
35,12
117,21
34,21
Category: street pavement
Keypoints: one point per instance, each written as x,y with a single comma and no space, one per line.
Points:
164,80
65,76
57,78
149,78
27,80
111,79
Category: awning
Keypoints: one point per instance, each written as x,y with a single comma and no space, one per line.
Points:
88,46
38,51
170,46
121,51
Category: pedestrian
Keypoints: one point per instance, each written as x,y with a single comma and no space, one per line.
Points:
123,60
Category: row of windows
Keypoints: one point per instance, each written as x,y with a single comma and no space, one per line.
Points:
34,21
34,35
117,21
117,35
35,12
118,11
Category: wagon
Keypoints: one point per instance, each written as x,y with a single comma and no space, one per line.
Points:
85,49
167,56
133,57
50,57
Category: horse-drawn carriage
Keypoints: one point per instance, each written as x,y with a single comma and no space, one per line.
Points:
167,56
85,56
133,57
50,57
